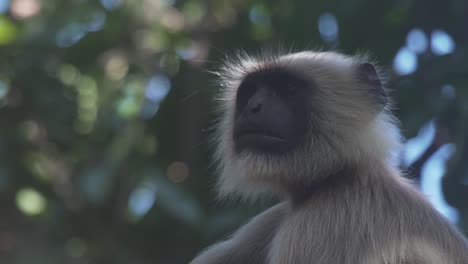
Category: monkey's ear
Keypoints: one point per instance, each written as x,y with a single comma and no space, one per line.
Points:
368,75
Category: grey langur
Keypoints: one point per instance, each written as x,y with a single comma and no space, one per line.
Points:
315,129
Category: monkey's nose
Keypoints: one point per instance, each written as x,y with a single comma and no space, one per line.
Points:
256,108
257,101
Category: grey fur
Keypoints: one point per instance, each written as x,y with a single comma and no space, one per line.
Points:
345,201
250,244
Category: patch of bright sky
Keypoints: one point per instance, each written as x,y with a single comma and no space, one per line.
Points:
433,170
431,183
416,146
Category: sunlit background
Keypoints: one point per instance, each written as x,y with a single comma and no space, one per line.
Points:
106,108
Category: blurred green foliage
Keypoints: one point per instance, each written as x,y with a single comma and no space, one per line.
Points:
105,113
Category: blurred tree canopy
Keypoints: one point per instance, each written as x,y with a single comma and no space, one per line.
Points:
105,114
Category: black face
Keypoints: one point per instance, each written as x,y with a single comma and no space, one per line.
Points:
272,112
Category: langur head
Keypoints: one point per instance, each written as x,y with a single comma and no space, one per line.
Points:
293,120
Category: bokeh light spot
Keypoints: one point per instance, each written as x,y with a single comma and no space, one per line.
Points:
73,32
441,42
22,9
328,27
157,88
128,107
87,105
405,62
259,15
142,199
68,74
70,34
96,21
116,66
8,31
4,6
448,91
30,202
177,171
416,40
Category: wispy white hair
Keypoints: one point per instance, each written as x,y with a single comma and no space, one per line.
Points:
345,129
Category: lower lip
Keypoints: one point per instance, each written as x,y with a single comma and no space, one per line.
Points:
260,142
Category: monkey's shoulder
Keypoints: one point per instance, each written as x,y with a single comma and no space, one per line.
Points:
382,223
